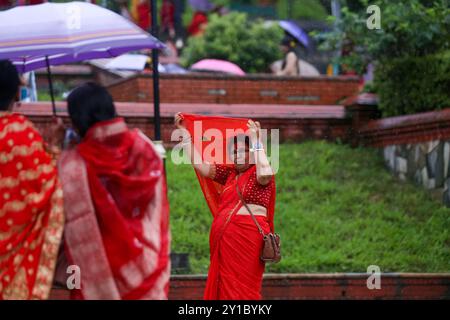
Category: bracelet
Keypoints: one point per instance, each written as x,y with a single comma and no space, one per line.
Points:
257,147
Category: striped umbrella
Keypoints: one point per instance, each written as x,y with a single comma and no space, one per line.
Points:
38,36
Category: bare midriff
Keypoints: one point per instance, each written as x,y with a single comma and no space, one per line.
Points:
257,210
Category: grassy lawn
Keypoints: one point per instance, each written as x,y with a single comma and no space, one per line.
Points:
338,210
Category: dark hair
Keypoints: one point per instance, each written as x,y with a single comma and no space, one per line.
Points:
289,41
234,140
88,104
9,83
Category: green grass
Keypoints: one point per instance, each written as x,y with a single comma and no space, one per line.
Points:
338,210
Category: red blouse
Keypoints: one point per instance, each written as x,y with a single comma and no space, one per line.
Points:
253,192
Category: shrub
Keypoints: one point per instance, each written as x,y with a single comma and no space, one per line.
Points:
251,45
413,84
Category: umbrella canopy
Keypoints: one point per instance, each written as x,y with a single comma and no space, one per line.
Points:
67,32
201,5
294,30
218,66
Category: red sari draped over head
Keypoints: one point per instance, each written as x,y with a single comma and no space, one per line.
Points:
31,211
198,23
235,271
117,228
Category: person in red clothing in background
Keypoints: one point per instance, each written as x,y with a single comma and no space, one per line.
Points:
5,4
167,18
143,15
28,2
198,23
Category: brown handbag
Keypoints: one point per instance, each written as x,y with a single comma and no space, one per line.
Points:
271,251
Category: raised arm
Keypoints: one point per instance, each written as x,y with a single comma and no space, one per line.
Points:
264,172
203,167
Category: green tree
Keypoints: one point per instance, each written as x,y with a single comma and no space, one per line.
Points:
250,44
409,28
410,52
301,9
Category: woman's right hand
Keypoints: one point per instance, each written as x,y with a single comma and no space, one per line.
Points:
179,120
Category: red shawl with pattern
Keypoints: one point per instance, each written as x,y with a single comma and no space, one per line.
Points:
117,213
31,213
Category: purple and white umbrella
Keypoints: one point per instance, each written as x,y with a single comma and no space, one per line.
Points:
294,30
67,32
201,5
36,36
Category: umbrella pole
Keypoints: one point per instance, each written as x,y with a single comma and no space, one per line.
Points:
155,75
155,61
50,85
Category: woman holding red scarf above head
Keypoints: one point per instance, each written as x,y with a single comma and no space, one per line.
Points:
117,218
236,270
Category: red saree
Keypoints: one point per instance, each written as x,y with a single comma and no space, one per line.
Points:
31,212
235,271
117,213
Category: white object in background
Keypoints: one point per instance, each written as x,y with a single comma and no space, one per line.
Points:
135,62
306,68
160,148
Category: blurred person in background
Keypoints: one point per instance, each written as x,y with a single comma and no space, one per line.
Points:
123,9
168,19
198,23
290,65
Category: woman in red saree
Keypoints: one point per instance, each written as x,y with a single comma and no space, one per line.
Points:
236,270
31,211
117,229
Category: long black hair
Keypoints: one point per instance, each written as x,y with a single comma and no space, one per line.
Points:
88,104
290,42
9,84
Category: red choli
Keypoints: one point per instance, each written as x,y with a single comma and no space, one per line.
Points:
253,192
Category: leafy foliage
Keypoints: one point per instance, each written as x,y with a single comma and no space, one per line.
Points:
408,28
251,45
414,84
410,52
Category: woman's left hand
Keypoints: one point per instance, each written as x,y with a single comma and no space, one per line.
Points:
255,128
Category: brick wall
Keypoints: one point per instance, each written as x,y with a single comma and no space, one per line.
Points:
251,89
295,123
319,286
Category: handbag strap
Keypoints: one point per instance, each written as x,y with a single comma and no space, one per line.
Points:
248,208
